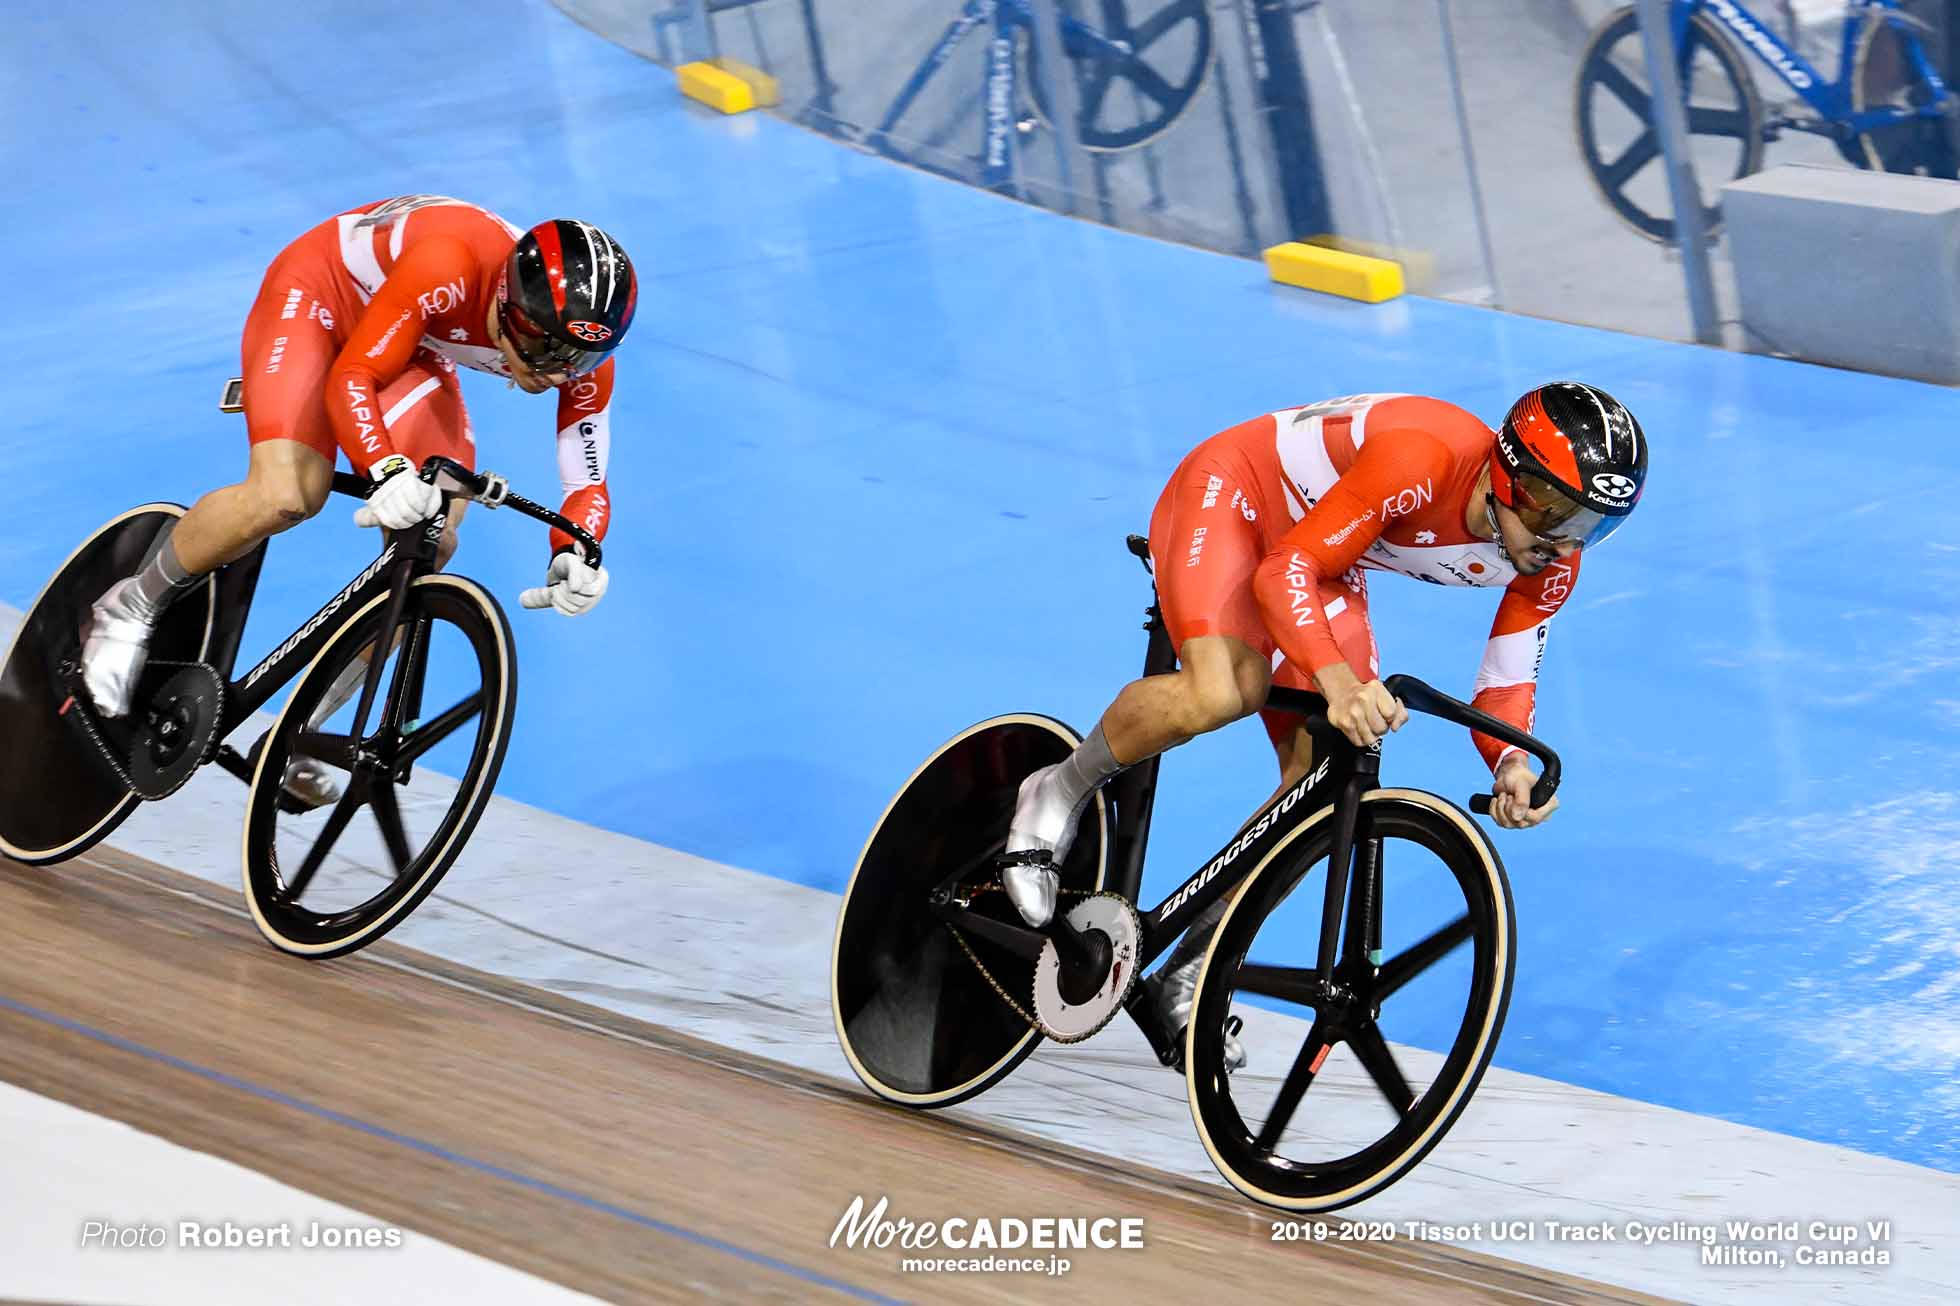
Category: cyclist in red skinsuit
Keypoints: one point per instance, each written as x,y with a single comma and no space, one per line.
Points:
352,347
1261,546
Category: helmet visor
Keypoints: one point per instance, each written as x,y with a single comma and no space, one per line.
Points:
1550,514
545,353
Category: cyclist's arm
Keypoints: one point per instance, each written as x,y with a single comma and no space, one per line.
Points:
1333,536
584,448
1507,679
383,339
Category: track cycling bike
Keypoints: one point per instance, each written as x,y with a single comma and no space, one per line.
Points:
1887,109
69,777
938,989
1134,80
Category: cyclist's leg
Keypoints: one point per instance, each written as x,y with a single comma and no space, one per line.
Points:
287,350
1207,543
424,413
287,353
1354,635
1345,599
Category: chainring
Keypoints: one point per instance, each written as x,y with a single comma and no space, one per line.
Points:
1071,1022
179,731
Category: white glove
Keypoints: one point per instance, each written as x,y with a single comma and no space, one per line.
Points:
401,499
570,586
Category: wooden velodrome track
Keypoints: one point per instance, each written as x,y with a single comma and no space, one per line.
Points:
614,1157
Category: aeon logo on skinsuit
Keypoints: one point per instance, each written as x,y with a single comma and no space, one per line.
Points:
442,299
1558,584
1762,43
1404,502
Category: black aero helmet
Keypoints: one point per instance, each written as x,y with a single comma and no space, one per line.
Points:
566,296
1571,461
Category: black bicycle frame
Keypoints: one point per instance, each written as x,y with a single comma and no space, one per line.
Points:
404,556
1341,775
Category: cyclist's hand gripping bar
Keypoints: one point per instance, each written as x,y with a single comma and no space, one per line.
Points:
488,489
1420,697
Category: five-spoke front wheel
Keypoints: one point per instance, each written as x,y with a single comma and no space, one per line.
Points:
413,775
1355,1073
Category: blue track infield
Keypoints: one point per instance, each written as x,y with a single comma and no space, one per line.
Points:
878,439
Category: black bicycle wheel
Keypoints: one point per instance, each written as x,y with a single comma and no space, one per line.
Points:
321,883
1134,80
1618,136
917,1020
57,796
1440,978
1882,75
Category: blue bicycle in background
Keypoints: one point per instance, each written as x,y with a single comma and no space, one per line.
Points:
1887,109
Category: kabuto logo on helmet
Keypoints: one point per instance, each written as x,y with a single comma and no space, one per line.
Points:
1614,486
590,331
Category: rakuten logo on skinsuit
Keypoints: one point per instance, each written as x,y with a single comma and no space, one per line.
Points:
1338,536
381,345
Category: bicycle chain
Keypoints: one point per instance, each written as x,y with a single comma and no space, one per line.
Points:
109,754
1033,1022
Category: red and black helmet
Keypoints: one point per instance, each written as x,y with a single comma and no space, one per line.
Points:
1570,460
566,296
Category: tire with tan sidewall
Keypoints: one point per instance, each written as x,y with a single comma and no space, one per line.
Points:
1457,842
491,639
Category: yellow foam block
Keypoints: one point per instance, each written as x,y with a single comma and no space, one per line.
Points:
1335,272
760,83
727,84
1418,265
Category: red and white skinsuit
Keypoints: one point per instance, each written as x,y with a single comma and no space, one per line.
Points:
354,341
1267,533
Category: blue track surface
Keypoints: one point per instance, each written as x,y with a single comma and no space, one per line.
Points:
878,441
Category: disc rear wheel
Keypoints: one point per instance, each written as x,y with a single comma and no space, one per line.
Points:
58,798
919,1021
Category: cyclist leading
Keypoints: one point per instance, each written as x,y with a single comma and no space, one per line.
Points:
1261,546
352,347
